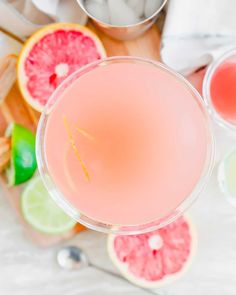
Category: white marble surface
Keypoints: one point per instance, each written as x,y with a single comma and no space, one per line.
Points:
28,270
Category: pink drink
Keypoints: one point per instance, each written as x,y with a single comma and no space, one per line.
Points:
223,91
126,143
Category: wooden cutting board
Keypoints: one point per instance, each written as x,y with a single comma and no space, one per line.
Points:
15,109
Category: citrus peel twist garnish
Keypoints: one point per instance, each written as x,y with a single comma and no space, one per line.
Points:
85,133
74,147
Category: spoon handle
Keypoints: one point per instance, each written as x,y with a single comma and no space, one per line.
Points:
116,275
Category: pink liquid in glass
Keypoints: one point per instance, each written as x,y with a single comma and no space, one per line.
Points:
223,91
141,136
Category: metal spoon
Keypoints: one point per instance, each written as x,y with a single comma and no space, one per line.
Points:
72,257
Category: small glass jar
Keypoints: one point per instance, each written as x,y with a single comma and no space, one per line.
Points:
229,56
227,176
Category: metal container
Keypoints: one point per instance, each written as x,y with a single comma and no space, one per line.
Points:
124,32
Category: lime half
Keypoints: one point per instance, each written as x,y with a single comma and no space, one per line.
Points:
23,160
41,212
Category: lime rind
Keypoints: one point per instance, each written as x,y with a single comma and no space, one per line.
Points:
9,129
23,159
10,171
41,212
10,174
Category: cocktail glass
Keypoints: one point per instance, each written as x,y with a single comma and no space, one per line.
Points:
130,69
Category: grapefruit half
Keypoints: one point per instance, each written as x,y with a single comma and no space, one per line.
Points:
154,259
51,55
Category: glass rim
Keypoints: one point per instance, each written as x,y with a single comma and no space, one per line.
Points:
91,223
206,90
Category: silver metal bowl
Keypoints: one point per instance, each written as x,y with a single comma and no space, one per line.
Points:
124,32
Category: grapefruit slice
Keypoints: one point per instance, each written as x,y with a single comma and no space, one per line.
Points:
157,258
51,55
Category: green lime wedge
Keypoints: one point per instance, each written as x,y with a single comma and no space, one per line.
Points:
23,160
41,212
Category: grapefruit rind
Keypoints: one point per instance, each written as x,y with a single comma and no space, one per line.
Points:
22,78
168,279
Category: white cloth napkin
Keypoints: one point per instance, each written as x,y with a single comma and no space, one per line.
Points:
23,17
196,32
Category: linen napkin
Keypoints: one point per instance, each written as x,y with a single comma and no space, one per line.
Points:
196,32
23,17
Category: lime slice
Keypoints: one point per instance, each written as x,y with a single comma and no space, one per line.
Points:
41,212
23,160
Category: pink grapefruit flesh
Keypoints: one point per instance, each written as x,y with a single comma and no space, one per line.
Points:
51,55
153,259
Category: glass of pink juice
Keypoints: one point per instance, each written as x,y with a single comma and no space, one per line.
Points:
219,90
125,145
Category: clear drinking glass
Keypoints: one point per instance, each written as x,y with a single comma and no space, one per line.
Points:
62,201
229,56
